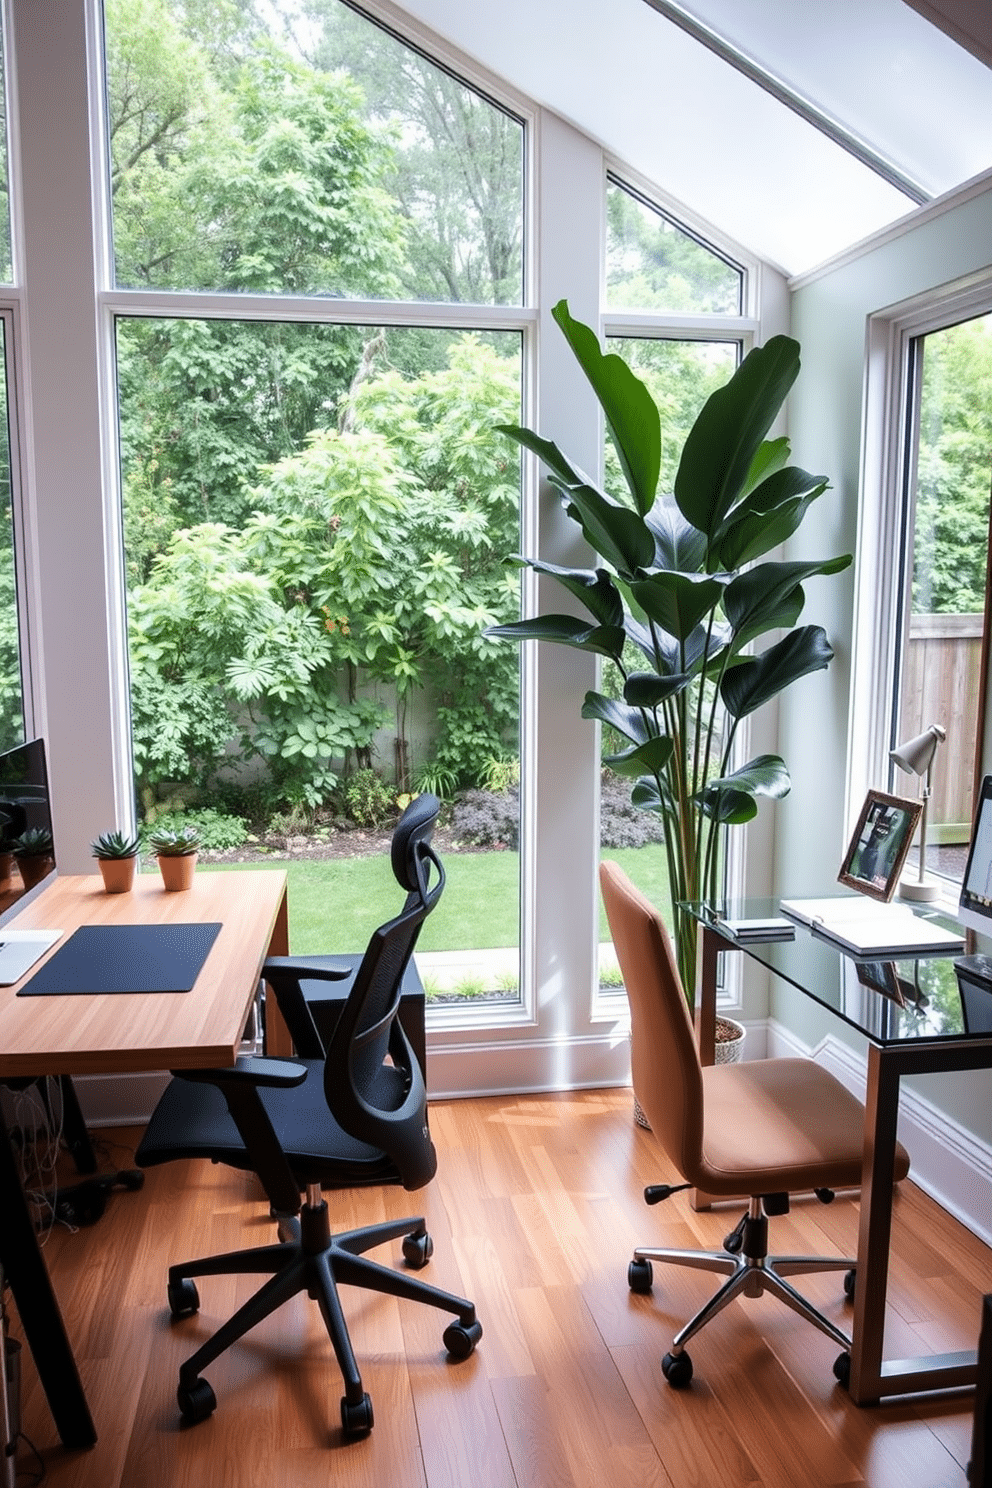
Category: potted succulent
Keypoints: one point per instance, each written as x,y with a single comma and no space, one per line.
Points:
117,856
680,598
35,855
176,852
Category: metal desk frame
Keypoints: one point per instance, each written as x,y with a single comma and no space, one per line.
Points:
873,1378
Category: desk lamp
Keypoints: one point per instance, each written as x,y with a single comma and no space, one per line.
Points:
916,758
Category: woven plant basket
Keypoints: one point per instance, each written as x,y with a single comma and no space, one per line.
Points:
729,1049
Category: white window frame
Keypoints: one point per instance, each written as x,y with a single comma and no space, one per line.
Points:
877,636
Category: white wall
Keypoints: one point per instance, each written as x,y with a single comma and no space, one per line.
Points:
939,245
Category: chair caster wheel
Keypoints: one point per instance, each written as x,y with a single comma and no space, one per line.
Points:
460,1338
184,1299
640,1275
850,1282
357,1419
197,1400
842,1369
417,1250
677,1369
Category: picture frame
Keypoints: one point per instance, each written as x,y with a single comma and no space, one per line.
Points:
878,848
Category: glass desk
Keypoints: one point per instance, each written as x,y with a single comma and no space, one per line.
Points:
916,1022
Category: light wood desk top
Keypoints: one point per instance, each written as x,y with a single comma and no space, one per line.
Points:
90,1034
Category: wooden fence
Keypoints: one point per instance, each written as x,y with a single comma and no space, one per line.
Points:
940,684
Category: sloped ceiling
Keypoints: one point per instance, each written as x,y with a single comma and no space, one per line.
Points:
661,99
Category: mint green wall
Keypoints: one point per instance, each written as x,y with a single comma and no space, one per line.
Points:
829,319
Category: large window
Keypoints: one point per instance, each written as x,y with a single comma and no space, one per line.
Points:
317,512
945,530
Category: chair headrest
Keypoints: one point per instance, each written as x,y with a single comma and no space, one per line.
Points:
414,827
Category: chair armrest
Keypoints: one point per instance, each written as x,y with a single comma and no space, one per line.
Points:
282,1074
298,968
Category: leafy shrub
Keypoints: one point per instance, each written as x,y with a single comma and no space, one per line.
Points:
484,818
620,823
368,800
500,774
216,829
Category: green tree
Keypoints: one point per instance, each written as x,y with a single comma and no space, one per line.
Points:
954,470
457,169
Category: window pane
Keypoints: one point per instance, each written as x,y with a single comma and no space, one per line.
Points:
316,154
653,264
947,523
316,521
11,698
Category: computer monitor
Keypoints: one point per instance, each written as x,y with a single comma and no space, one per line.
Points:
24,799
975,903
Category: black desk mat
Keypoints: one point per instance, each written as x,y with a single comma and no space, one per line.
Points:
125,958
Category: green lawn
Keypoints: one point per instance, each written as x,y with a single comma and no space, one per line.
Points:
334,906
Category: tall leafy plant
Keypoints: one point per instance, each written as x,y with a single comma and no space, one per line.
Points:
679,600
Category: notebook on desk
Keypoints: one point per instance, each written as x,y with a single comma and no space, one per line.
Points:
864,927
125,958
20,949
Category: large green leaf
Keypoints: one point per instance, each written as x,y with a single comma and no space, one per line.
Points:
566,630
548,451
678,545
632,723
728,433
755,533
731,798
677,602
618,534
754,601
593,587
767,516
647,689
757,679
631,413
772,455
651,756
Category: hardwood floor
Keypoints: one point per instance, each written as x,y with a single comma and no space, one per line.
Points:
534,1212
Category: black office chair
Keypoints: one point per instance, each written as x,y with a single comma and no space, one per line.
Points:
312,990
357,1117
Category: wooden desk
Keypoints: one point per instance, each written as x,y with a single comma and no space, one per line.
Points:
119,1033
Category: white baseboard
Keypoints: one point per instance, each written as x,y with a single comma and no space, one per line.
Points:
950,1164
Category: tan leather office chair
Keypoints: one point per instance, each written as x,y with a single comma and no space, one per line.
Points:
764,1129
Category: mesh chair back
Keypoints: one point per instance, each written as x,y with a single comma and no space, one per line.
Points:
372,1080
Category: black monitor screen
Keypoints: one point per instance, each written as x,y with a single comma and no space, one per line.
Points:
23,791
975,909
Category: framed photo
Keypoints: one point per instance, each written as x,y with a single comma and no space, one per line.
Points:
881,840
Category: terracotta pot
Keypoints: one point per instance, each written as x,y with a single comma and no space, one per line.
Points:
6,870
177,873
118,874
33,870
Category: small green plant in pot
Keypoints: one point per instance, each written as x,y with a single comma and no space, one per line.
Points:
35,855
680,599
117,856
176,851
